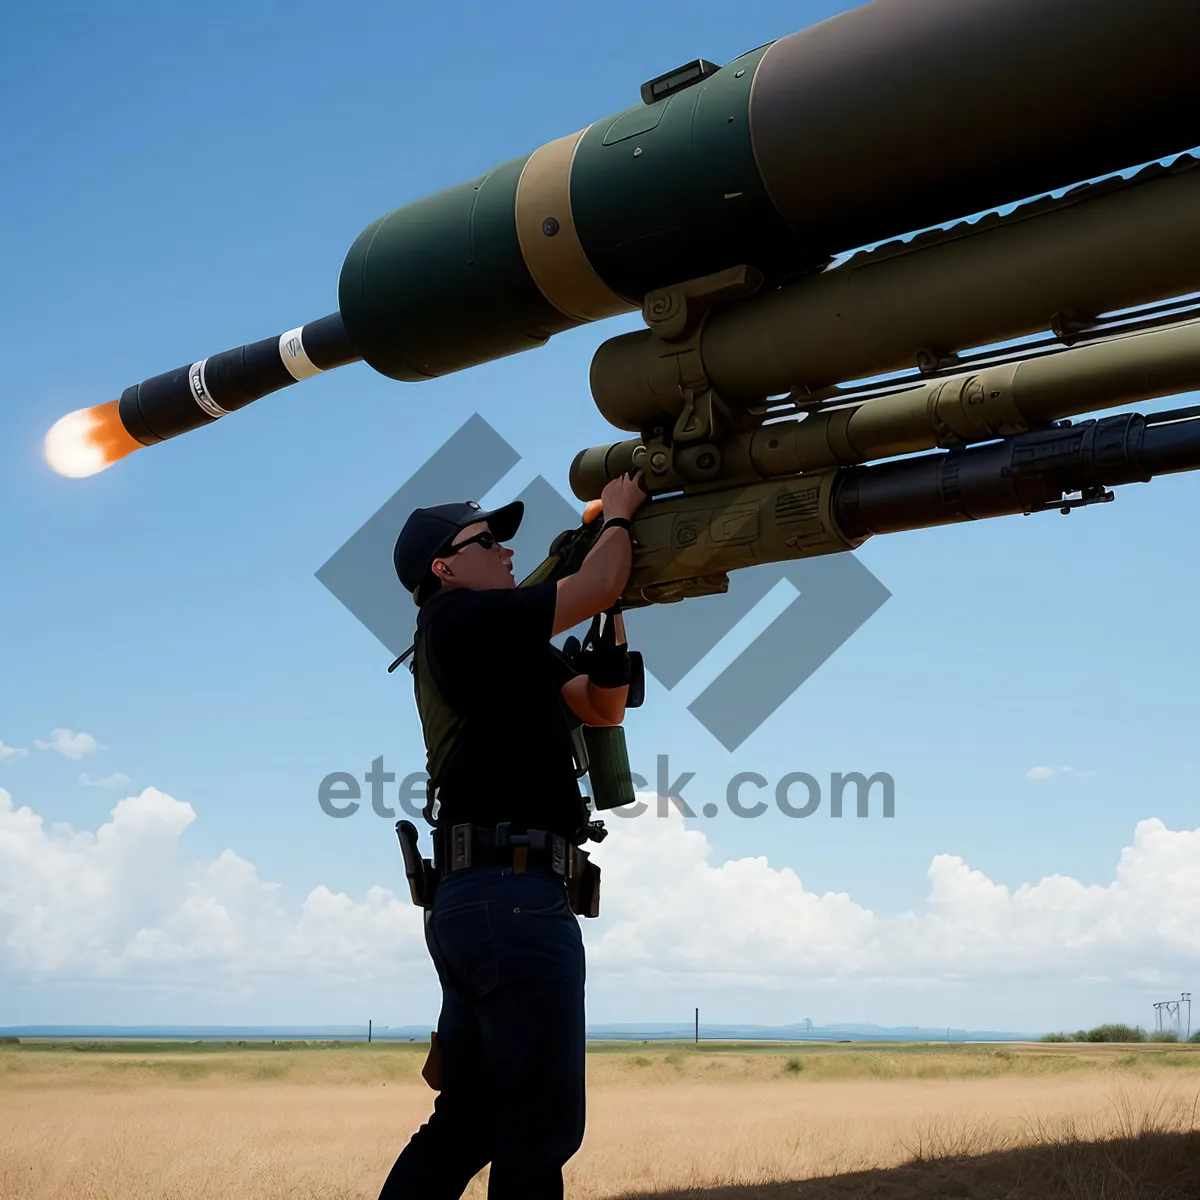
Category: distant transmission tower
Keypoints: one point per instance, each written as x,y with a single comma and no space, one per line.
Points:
1168,1016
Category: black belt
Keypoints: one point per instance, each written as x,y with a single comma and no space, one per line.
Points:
460,846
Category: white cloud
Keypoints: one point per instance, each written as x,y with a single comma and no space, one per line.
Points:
1039,774
126,904
116,780
69,743
10,752
670,909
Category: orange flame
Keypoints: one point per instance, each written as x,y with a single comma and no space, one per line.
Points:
88,440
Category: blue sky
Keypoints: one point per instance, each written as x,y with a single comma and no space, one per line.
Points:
180,181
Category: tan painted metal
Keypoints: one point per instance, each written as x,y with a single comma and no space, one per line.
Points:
999,401
996,401
697,537
550,242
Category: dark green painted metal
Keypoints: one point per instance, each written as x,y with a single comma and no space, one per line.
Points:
608,766
667,192
440,285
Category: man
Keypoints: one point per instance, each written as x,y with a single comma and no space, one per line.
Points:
508,817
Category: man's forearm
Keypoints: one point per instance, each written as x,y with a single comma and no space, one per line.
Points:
608,703
607,565
598,583
595,705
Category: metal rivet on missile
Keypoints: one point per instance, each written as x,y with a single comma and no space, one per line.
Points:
728,120
705,461
658,460
739,74
550,226
637,151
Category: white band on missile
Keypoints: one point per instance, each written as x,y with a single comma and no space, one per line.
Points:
293,356
200,392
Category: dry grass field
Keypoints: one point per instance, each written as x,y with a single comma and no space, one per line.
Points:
112,1121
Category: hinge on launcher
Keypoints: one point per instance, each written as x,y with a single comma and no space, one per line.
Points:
676,315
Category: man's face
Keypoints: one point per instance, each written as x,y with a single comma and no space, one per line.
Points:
474,567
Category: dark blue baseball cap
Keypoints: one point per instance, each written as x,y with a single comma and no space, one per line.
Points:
429,531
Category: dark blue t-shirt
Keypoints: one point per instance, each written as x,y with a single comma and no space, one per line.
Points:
492,660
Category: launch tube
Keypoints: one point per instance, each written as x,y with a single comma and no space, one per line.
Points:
1107,246
886,119
995,401
1024,474
685,545
1005,399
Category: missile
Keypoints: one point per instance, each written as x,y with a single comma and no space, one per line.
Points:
883,120
886,119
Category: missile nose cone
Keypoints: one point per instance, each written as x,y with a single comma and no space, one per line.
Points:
87,441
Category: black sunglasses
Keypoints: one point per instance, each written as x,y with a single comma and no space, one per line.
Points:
486,538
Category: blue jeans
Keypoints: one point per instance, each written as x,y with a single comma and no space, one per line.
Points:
509,955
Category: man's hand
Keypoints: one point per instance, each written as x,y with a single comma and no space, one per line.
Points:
602,577
595,695
623,496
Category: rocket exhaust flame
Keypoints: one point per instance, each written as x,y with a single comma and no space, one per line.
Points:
87,441
167,405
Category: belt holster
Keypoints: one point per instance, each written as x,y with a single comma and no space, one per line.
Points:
422,878
583,884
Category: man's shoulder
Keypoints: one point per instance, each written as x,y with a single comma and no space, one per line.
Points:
455,602
441,614
460,603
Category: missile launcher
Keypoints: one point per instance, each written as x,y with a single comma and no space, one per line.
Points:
794,393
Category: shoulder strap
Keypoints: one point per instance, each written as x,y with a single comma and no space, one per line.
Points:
441,723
